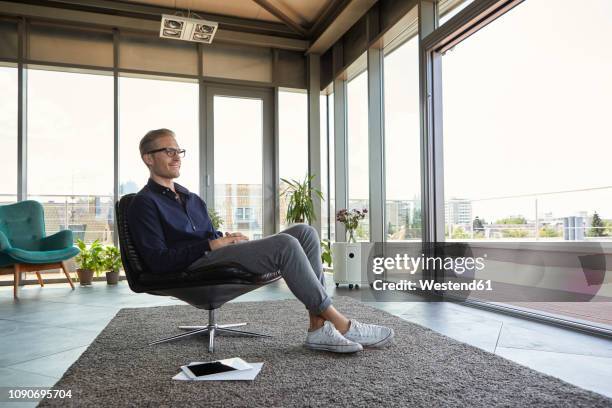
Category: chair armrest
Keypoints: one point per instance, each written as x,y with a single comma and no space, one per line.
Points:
4,242
59,240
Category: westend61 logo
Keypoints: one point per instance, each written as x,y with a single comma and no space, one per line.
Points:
457,265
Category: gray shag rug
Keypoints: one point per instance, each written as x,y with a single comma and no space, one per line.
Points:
421,369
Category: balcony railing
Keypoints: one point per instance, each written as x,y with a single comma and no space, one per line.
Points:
90,217
545,216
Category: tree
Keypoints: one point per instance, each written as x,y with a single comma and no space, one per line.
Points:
477,225
416,220
413,226
519,219
549,232
459,233
390,229
515,233
598,228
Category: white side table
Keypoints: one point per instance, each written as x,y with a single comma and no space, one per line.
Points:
350,263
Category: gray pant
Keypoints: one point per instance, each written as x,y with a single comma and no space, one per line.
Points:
296,252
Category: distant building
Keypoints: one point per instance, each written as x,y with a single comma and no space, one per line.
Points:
87,217
397,211
240,207
574,228
458,211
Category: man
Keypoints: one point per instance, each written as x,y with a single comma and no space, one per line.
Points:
172,231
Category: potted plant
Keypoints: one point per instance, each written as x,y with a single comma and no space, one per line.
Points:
111,263
88,261
215,218
300,207
351,219
326,252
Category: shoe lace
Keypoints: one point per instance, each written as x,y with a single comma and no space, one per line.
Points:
330,330
364,330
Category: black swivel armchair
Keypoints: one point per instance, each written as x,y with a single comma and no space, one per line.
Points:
206,288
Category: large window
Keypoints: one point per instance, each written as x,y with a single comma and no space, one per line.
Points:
147,104
331,201
328,211
526,118
292,143
324,170
324,164
70,151
238,145
526,143
450,8
8,134
402,146
357,140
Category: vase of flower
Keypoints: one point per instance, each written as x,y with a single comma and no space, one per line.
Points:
347,258
351,219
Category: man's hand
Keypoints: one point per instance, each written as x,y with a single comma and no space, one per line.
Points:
228,239
237,235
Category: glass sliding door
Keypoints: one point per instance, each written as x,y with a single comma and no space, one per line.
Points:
325,215
70,151
402,142
292,143
8,134
526,143
357,141
332,168
239,186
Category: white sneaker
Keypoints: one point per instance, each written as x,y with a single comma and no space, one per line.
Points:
369,335
328,338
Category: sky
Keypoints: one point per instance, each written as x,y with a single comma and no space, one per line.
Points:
77,141
357,136
238,140
526,104
402,134
525,110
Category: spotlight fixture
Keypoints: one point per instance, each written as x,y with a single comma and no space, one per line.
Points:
187,29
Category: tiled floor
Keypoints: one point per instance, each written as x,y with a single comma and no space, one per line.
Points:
43,333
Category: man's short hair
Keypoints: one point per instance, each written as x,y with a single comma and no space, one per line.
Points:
147,143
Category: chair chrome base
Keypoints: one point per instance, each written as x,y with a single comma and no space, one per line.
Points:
211,328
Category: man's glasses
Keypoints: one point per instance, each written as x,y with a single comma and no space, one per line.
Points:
170,151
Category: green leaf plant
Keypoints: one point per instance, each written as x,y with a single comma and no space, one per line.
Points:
301,206
90,257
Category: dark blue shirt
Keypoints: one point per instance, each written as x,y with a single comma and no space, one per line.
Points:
169,235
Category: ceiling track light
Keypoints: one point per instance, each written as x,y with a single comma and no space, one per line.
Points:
187,29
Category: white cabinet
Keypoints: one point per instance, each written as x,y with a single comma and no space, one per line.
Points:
350,262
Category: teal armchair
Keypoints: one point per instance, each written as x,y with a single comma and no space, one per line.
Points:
24,246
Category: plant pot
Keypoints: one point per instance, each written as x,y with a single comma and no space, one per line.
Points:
112,277
85,276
